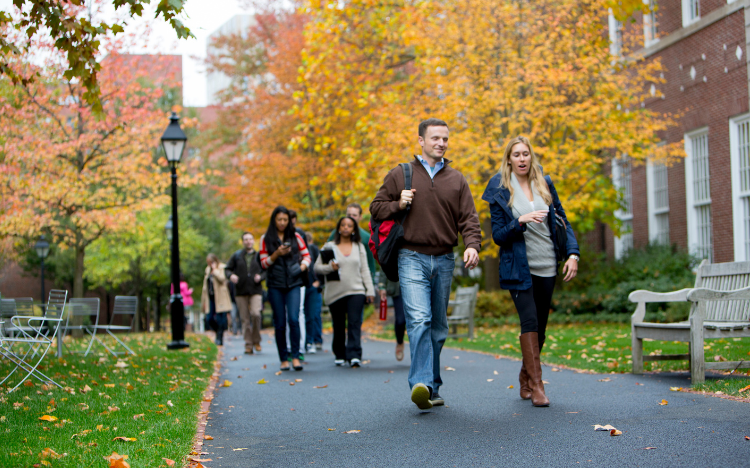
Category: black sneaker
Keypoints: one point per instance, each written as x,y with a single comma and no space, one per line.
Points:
355,362
436,399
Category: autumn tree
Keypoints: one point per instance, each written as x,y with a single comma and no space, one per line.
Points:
77,35
71,172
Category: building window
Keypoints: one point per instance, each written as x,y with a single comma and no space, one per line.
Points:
698,187
615,35
739,135
649,24
691,12
658,203
621,178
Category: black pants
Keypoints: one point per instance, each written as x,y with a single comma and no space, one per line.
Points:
533,305
400,322
351,307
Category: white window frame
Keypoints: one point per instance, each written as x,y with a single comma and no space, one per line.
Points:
687,18
692,218
650,27
624,241
653,211
615,35
740,197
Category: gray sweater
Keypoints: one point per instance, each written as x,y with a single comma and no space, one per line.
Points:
353,270
540,251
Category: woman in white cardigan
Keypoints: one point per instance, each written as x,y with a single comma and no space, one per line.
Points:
347,296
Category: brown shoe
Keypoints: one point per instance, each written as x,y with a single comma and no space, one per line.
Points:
523,379
257,347
399,352
248,350
530,350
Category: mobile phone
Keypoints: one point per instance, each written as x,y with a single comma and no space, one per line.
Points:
287,244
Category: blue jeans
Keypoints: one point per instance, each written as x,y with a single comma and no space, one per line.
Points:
313,322
285,305
425,289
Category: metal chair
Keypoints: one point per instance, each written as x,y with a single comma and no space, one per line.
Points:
35,336
86,308
126,306
10,307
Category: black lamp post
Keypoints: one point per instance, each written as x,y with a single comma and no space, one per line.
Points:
42,250
173,140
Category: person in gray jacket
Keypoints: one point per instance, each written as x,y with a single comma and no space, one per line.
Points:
244,270
346,296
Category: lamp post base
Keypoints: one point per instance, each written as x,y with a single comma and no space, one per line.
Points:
178,345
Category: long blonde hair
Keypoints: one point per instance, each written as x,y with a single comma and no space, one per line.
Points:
535,172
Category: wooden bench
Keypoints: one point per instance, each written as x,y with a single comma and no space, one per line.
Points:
720,309
462,311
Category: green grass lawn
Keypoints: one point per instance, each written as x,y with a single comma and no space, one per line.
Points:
604,348
152,397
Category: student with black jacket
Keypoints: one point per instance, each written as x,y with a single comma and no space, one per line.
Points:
244,270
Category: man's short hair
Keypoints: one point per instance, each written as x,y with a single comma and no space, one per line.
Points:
246,233
354,205
292,214
430,123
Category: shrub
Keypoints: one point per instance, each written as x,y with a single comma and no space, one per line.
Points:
493,305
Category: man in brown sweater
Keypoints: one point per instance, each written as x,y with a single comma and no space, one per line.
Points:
441,207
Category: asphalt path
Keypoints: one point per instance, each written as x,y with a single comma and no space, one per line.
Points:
483,424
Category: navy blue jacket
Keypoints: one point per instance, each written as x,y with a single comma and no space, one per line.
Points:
507,232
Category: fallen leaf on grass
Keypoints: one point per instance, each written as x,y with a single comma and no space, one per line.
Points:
449,368
109,385
615,432
675,389
125,439
321,386
353,431
744,389
49,453
117,461
138,416
121,364
47,417
85,389
208,437
169,403
663,403
168,461
28,383
606,379
608,427
262,381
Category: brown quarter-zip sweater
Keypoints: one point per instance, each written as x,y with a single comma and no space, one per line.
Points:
442,208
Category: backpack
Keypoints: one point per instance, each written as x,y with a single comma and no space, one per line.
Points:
387,236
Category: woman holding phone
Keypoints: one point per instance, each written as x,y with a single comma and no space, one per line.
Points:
284,254
346,296
524,205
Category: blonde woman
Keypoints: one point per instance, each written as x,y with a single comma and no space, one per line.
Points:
524,205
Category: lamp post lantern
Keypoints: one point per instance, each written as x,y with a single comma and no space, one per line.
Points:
173,141
42,250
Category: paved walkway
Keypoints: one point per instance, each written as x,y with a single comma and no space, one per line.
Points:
483,424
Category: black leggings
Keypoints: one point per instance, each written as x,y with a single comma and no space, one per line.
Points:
351,308
533,305
400,322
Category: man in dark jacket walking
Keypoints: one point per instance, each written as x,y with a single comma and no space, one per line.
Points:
441,207
244,270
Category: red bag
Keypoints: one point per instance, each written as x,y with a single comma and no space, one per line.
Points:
387,236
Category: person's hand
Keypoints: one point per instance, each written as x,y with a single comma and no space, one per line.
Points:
316,284
570,269
471,258
370,299
257,278
534,217
303,266
334,265
383,295
234,279
407,196
282,250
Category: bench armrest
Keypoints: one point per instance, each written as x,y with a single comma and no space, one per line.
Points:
454,303
644,296
704,294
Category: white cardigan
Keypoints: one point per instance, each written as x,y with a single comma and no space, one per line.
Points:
353,270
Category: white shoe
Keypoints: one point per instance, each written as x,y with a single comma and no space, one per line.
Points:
311,349
339,362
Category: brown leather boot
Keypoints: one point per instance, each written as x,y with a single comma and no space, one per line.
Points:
530,350
523,379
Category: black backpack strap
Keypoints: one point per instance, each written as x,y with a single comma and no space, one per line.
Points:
406,167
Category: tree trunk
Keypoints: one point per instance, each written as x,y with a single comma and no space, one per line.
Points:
78,277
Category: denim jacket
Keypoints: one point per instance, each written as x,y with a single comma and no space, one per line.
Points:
507,232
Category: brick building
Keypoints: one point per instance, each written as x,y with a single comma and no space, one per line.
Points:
702,203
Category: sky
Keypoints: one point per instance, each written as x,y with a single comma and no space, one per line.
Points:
202,17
